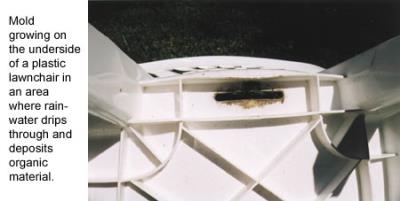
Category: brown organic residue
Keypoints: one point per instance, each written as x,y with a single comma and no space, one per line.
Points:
249,94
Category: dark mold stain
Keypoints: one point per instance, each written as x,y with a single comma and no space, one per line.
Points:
179,71
197,68
153,75
249,94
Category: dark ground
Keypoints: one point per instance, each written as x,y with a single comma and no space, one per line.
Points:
322,34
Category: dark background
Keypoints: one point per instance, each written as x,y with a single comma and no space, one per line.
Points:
319,33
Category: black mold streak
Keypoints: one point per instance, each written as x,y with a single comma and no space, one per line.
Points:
249,94
153,75
179,71
245,95
197,68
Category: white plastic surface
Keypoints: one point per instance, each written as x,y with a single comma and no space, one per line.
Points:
178,143
229,152
112,80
